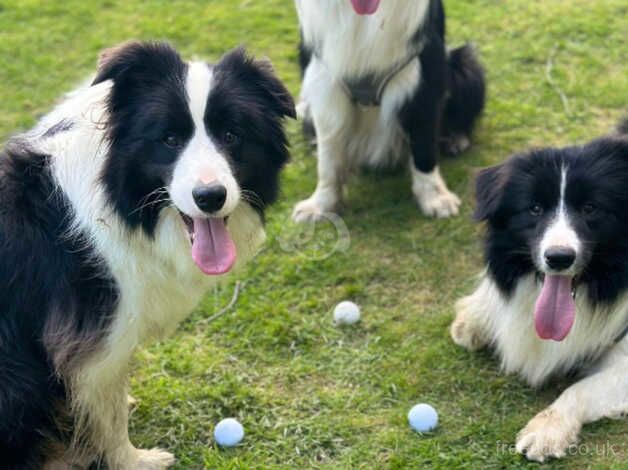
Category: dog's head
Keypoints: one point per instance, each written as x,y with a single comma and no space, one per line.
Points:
203,138
559,213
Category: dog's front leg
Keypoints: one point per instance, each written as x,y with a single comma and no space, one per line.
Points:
100,405
603,394
332,114
327,197
421,121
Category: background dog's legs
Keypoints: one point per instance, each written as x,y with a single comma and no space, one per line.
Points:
432,195
603,394
331,174
420,119
331,112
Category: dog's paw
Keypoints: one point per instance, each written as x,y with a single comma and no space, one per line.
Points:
456,144
131,401
154,459
440,203
312,210
466,333
548,435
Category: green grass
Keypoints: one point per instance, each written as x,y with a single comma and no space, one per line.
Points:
311,395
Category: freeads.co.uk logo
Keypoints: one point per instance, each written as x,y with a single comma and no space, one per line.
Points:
316,241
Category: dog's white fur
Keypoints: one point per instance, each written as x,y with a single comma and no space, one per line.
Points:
488,318
158,281
351,135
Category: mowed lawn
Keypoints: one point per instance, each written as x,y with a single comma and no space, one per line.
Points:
311,395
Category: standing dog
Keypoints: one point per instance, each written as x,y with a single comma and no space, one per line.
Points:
117,212
554,298
379,84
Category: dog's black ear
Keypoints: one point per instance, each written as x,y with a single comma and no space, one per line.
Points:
615,147
261,74
139,59
489,191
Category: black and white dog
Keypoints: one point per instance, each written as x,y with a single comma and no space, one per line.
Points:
379,86
116,213
554,297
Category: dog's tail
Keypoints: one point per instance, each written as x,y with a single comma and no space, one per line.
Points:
467,95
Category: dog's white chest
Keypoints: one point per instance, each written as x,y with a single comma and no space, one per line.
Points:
522,351
353,45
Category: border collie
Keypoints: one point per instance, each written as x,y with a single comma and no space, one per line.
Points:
118,211
554,298
379,86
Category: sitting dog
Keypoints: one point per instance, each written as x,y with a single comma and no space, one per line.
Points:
379,86
118,211
554,297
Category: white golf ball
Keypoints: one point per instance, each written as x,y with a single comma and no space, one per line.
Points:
346,313
423,418
228,433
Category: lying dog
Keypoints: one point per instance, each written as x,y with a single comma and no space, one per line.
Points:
117,212
379,86
554,298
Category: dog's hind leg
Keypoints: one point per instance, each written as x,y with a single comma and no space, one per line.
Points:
471,328
602,394
28,391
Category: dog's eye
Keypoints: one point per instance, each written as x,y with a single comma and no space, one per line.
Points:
536,210
230,138
171,141
588,209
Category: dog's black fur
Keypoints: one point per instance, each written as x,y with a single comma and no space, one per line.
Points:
46,280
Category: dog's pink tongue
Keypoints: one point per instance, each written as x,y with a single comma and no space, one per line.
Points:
365,7
213,250
555,309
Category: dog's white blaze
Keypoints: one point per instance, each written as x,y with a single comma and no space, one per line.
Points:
560,231
197,86
201,161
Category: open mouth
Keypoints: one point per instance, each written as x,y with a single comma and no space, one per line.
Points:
555,308
213,249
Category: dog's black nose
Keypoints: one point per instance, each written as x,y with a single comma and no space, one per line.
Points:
210,197
560,257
